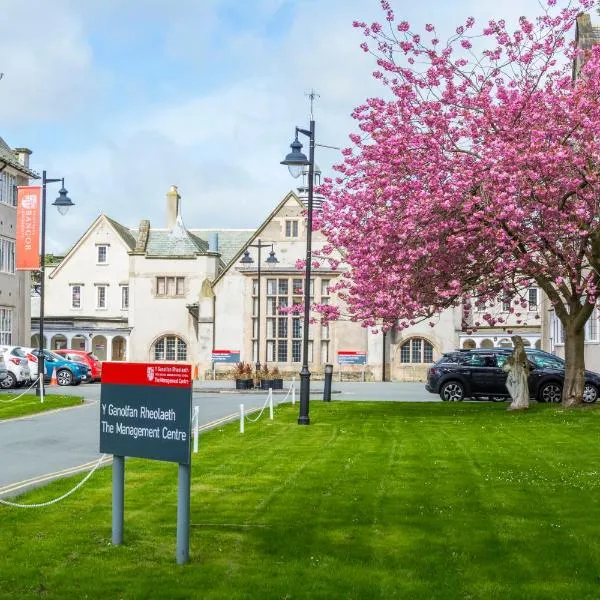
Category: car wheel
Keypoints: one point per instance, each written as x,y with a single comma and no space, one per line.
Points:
64,377
551,392
590,393
8,382
453,391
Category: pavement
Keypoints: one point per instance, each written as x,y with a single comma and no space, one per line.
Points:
38,448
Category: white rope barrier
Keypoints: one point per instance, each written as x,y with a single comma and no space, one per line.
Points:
195,425
65,495
23,393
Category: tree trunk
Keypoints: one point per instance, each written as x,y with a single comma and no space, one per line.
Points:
575,366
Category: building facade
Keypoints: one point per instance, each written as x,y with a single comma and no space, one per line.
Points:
14,285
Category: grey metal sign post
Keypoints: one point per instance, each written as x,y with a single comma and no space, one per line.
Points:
146,411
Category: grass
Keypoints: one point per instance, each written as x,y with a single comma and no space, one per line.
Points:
29,404
372,500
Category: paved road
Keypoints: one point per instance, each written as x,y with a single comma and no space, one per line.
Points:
43,446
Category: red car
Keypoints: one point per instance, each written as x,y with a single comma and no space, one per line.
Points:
87,358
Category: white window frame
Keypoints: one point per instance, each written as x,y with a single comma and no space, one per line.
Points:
591,328
8,189
125,297
80,288
98,290
100,247
533,306
6,326
7,255
291,228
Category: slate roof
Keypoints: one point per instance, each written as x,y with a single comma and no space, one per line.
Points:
175,242
8,156
124,232
230,241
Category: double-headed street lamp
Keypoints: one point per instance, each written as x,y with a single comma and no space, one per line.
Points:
296,161
247,260
62,203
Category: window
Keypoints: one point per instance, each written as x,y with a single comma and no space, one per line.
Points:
102,255
591,327
124,297
5,326
416,350
170,347
75,296
324,352
325,287
7,255
532,295
101,296
291,229
170,287
296,350
506,301
8,189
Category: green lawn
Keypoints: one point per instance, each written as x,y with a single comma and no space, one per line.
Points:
372,500
29,404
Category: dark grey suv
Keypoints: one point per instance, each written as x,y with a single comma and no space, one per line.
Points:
478,374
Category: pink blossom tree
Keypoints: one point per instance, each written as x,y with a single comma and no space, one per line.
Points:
477,174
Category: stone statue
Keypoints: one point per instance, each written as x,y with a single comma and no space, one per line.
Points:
518,370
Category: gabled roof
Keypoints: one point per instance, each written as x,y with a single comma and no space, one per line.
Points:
258,232
7,156
121,230
124,232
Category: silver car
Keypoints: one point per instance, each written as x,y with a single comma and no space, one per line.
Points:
17,365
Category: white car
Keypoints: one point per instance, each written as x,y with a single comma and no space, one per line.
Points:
17,366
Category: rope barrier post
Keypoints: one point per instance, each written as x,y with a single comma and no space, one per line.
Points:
293,390
196,419
42,391
118,498
183,514
241,418
271,403
327,386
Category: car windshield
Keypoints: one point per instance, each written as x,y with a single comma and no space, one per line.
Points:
546,361
76,358
19,352
93,357
55,356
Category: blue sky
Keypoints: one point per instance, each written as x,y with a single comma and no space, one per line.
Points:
124,98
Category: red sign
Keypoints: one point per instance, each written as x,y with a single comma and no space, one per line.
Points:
28,227
153,374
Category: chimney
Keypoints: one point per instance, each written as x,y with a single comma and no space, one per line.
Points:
173,207
23,156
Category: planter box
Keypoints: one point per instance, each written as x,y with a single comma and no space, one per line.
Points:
244,384
274,384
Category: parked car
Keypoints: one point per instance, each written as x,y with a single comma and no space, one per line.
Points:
67,371
478,373
17,366
88,358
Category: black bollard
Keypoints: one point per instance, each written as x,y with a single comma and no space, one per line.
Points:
328,378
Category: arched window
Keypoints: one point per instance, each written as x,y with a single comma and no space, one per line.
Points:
416,350
170,347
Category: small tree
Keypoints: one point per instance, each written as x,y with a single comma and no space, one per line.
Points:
478,175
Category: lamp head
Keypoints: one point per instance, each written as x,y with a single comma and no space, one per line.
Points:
296,159
272,258
63,202
246,259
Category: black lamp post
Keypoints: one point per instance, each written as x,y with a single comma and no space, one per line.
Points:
62,203
296,161
247,260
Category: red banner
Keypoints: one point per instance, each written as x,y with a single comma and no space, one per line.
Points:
152,374
28,227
